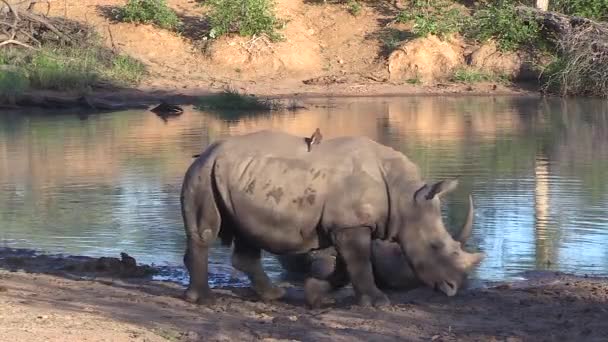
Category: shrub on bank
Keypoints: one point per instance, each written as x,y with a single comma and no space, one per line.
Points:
13,83
149,12
498,20
592,9
437,17
245,17
66,68
231,100
472,75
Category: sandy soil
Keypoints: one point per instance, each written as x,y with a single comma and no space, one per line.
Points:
42,303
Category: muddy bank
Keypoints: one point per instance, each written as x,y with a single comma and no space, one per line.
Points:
107,100
42,305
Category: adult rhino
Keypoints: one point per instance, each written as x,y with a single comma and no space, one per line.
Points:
264,190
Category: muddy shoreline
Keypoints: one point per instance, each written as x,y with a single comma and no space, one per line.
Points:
106,100
41,300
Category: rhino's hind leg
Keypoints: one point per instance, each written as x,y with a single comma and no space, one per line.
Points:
354,246
196,259
202,224
248,259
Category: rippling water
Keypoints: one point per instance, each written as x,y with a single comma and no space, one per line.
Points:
102,184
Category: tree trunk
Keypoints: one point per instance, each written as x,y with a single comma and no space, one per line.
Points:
542,5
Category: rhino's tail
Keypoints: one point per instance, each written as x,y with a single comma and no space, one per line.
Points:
199,202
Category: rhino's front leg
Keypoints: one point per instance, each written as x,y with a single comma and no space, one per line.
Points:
248,259
354,245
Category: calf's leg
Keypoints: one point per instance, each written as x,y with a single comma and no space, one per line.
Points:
320,284
248,259
354,246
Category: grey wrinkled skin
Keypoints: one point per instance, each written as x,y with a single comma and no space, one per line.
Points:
266,191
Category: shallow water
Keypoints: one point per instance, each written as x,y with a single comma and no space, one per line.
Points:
101,184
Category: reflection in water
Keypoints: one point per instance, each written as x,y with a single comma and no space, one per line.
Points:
544,245
536,168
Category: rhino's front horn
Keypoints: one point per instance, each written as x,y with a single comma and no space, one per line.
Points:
467,228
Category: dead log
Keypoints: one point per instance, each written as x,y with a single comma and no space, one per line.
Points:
582,46
560,24
19,25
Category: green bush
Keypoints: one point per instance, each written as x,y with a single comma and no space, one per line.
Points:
13,82
124,70
592,9
354,7
51,70
149,12
232,100
436,17
245,17
73,68
471,75
391,39
499,20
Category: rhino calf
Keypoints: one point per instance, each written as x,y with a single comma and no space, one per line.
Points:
267,191
390,267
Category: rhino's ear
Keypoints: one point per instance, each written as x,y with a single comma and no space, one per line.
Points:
427,192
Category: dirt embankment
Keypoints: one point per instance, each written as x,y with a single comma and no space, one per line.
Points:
42,300
326,51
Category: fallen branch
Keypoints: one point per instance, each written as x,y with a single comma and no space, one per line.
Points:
559,24
16,42
19,25
43,21
252,46
582,46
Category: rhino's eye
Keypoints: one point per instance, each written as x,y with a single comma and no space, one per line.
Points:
437,245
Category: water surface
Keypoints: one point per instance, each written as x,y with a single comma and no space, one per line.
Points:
100,184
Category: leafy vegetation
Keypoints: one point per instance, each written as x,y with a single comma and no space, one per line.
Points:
354,7
149,12
592,9
391,39
471,75
499,20
56,67
414,81
13,82
579,68
245,17
437,17
232,100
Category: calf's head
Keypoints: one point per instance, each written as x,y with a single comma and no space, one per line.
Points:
436,257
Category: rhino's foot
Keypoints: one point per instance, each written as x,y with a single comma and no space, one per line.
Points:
271,293
379,300
198,297
315,291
